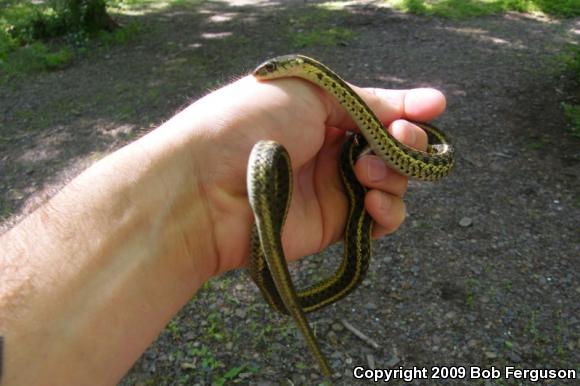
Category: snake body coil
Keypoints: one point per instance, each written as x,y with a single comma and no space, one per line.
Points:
269,182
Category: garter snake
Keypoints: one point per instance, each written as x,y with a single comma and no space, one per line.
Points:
269,184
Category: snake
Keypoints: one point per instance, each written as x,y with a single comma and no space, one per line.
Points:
269,186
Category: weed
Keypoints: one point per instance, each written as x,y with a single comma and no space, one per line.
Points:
206,359
215,326
232,374
470,292
173,328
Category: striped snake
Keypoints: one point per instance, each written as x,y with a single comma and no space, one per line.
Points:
269,184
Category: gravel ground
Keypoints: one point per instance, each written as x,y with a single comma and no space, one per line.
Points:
484,272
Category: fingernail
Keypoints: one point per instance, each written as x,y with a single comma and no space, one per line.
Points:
377,169
411,135
405,132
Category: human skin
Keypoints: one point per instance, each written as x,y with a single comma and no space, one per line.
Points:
89,279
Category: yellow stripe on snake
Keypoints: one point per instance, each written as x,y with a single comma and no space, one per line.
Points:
269,183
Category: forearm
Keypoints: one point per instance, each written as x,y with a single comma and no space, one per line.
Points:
97,272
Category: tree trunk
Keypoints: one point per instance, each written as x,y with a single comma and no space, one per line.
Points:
88,15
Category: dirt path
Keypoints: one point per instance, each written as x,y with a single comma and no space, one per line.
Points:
484,272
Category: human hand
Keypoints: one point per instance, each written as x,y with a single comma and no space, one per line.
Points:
311,125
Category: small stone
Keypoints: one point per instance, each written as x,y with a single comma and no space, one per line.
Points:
466,222
450,315
298,379
187,365
241,313
490,355
337,327
371,306
388,259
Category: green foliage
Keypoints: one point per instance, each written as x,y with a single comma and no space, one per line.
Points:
232,374
26,22
35,57
570,62
120,35
43,36
457,9
325,37
318,27
572,112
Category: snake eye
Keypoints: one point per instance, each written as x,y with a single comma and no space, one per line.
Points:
270,67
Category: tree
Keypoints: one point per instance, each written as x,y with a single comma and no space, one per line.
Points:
83,15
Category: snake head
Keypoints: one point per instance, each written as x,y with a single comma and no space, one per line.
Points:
278,67
265,69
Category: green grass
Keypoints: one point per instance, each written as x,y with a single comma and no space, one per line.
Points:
572,113
460,9
318,27
322,37
536,142
569,63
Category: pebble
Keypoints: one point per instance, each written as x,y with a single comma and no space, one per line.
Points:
466,222
337,327
393,362
187,365
490,355
371,306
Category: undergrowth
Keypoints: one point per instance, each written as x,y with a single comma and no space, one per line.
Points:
460,9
